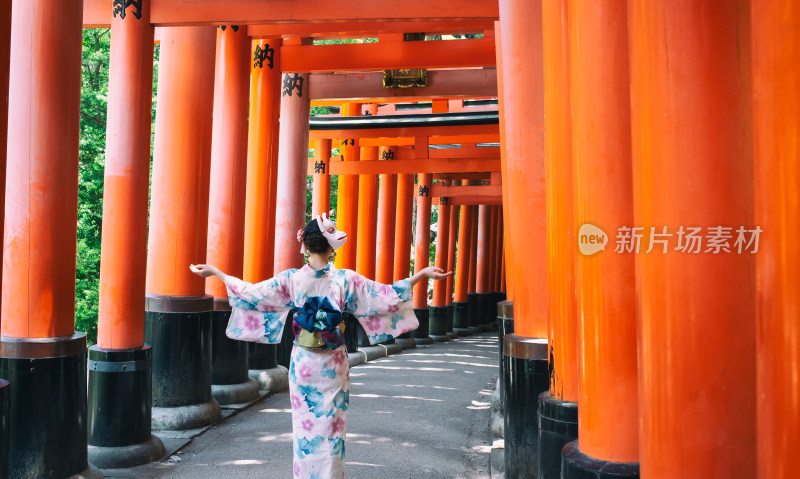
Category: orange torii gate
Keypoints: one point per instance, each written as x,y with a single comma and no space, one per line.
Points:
711,141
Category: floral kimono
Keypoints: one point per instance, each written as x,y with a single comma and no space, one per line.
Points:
319,379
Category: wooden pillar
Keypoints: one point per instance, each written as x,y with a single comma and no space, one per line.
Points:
473,252
402,226
367,216
292,167
607,371
175,303
225,247
321,194
776,117
5,54
484,243
423,237
347,214
387,207
442,245
262,160
559,407
120,409
691,105
561,312
523,112
48,378
451,252
463,254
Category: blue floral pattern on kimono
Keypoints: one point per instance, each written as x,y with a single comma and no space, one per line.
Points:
319,378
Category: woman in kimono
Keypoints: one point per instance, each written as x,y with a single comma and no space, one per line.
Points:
319,379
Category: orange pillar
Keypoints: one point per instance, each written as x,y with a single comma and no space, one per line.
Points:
442,245
48,378
181,156
692,162
438,311
503,162
607,371
175,302
292,168
451,265
493,250
402,226
262,160
367,216
387,207
464,247
523,111
422,252
776,117
225,247
39,246
5,52
120,337
347,214
123,261
561,402
561,309
321,194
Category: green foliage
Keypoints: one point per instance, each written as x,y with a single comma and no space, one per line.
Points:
94,96
94,104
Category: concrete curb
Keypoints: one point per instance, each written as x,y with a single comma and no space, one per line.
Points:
357,358
406,343
273,380
374,352
393,348
235,393
127,456
186,417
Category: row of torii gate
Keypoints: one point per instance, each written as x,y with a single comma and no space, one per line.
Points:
657,114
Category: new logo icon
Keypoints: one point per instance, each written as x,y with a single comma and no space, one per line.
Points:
591,239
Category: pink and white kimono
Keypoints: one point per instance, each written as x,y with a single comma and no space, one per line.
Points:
319,379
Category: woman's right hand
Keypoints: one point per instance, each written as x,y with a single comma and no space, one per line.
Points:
205,270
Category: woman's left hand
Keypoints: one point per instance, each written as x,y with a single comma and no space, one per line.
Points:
435,273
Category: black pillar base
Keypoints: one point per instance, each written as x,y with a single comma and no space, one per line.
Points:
120,395
437,323
486,318
577,465
350,333
461,318
5,410
505,325
420,334
526,376
558,425
230,380
473,310
262,356
179,330
47,422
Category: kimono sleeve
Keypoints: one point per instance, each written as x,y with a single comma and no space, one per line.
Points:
385,311
259,310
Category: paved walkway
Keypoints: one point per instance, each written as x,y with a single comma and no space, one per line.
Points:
422,413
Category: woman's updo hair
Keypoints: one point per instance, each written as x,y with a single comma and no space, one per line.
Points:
313,239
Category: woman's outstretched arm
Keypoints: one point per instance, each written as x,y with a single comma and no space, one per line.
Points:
429,272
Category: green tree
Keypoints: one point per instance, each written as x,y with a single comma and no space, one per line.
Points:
94,95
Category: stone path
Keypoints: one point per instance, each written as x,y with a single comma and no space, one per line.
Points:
422,413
